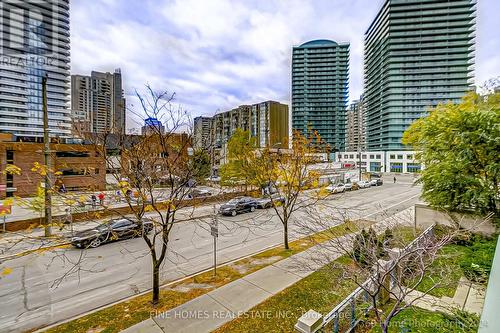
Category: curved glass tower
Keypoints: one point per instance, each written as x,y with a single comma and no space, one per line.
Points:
320,78
34,39
418,53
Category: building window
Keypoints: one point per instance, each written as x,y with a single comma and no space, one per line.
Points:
363,157
392,157
413,167
378,157
72,154
410,157
351,156
372,157
375,166
96,171
396,167
73,172
400,157
10,156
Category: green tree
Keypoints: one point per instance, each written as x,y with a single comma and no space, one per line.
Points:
240,157
201,164
459,145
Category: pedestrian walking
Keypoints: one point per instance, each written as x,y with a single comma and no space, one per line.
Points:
101,198
68,219
394,179
94,200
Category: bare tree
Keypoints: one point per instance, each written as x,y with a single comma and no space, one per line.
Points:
153,172
285,173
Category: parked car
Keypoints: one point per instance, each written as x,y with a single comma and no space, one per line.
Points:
363,184
198,193
110,231
339,188
348,186
238,205
376,182
268,200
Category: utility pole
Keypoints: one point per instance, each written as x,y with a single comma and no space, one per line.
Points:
47,159
214,230
359,162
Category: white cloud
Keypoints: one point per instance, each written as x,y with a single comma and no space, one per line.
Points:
218,54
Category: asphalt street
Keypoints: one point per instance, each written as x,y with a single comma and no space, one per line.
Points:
49,287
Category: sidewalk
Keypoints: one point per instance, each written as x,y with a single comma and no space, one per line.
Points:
20,213
468,297
210,311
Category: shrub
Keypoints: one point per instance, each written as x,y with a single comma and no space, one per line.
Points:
476,265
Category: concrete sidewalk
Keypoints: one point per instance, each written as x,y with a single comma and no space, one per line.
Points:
20,213
468,297
210,311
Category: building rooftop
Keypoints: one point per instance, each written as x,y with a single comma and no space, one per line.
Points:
320,43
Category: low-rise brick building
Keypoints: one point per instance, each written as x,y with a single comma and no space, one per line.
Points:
79,166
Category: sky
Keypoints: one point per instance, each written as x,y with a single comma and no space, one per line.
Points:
218,54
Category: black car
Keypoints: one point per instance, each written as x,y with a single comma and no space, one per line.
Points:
269,200
238,205
111,231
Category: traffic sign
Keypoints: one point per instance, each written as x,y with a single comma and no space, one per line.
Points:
214,230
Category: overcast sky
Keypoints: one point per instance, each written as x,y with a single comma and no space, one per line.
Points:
218,54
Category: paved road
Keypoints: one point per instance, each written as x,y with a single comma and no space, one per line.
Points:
41,291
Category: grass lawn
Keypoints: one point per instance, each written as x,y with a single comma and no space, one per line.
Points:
417,320
125,314
448,271
320,291
455,261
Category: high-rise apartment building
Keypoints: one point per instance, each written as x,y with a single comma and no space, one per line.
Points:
201,132
355,127
34,42
320,75
97,103
418,53
267,122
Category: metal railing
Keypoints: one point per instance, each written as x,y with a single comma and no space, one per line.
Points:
357,302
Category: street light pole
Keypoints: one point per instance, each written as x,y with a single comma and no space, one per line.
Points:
47,161
359,163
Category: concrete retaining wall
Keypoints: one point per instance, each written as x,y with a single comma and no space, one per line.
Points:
426,216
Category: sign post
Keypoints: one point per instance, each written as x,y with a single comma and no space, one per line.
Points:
214,230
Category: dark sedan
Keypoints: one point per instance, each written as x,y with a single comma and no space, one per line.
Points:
238,205
111,231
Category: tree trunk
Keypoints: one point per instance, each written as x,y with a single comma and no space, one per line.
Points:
156,283
285,236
